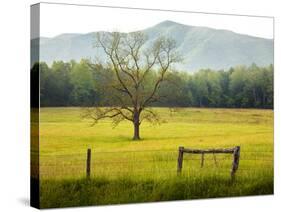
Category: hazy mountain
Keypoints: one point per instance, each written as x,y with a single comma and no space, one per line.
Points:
201,47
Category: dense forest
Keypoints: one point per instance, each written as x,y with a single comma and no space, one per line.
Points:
77,84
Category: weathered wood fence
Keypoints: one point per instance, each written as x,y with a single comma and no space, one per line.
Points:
235,163
88,163
235,151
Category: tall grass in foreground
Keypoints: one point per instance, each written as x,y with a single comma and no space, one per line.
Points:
128,189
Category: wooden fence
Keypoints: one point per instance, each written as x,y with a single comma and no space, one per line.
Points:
235,163
88,163
235,151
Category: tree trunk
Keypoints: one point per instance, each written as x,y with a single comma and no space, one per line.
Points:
263,99
136,126
255,97
136,131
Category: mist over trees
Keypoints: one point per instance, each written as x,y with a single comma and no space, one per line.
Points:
80,84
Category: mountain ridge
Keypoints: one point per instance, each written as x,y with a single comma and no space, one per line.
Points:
201,47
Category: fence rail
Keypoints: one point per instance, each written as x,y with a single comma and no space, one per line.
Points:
138,151
235,151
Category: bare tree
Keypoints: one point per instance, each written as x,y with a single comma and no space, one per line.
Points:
133,62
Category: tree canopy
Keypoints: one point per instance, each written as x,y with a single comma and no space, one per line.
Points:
133,74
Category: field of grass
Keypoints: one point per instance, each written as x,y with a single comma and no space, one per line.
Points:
125,171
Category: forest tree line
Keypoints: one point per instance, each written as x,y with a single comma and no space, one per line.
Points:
77,84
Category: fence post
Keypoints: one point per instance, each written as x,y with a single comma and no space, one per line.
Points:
180,159
235,163
88,167
215,159
202,160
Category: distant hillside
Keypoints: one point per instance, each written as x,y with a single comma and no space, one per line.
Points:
201,47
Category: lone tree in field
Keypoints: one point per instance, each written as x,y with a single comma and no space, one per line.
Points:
134,71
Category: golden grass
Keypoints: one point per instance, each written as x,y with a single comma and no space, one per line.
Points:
145,171
65,137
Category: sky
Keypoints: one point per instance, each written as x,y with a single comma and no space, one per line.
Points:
56,19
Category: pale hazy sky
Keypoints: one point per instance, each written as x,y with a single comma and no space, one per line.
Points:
57,19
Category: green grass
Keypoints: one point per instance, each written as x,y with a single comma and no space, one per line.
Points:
102,191
124,171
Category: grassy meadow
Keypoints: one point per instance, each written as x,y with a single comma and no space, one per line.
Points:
126,171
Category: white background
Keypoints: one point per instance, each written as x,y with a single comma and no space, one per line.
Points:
14,107
88,19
